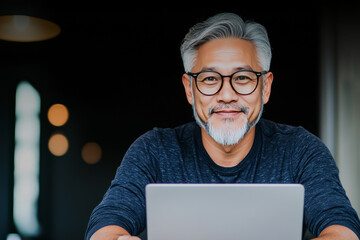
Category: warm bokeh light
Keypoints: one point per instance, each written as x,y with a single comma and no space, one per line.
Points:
58,144
21,28
91,153
58,115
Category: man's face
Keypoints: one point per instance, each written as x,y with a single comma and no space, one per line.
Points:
227,110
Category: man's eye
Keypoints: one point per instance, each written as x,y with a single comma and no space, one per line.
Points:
242,78
210,79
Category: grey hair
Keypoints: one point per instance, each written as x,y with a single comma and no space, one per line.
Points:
226,25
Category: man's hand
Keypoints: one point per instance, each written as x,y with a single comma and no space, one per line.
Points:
128,237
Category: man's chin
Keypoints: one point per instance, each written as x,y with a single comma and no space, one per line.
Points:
229,133
229,123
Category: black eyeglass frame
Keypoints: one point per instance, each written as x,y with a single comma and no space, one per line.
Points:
258,74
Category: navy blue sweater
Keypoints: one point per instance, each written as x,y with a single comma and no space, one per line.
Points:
280,154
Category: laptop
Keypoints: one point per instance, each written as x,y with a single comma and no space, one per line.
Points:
224,211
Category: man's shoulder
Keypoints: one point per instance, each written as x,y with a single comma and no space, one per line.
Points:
160,140
278,130
290,138
179,133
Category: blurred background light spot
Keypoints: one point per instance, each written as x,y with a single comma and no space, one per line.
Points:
13,236
91,153
22,28
58,115
58,144
26,160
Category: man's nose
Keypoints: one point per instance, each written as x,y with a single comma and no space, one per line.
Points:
227,93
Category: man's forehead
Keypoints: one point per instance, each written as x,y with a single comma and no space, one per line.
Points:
229,53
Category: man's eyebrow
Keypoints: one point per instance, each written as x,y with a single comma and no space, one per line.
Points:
209,69
246,67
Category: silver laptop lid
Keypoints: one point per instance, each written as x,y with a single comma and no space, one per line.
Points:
224,211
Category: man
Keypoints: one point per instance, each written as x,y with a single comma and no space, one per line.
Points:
227,82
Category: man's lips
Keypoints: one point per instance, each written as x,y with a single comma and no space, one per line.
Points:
227,112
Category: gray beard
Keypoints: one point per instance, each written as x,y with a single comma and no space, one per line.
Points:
228,134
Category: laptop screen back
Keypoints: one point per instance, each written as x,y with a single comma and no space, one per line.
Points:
224,211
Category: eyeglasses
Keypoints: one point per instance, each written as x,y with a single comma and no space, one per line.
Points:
244,82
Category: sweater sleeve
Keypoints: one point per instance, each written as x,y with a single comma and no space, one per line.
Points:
124,202
326,202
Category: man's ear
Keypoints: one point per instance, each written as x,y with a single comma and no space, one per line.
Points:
186,80
267,88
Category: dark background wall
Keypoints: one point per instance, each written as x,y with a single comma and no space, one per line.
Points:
119,74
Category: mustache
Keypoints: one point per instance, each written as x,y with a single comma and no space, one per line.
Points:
225,106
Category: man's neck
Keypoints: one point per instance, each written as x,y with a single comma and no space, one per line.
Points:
228,156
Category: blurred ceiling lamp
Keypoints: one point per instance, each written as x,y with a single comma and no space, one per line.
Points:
22,28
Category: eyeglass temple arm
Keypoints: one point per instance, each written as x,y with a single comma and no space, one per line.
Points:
262,73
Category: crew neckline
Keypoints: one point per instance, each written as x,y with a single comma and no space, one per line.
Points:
249,158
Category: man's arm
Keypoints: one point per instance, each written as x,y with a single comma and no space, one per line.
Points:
124,202
337,232
112,232
327,210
